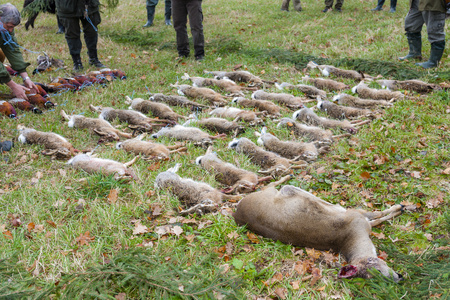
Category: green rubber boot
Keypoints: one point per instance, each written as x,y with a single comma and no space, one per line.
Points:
150,16
437,50
415,46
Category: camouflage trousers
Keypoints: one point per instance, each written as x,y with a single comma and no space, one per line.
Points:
338,5
297,5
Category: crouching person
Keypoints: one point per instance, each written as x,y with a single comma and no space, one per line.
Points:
9,19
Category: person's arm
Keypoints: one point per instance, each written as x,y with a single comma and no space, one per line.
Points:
15,58
18,90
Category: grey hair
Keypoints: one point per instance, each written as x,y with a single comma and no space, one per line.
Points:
9,14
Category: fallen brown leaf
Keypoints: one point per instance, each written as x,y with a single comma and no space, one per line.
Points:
317,274
276,278
281,292
435,202
177,230
365,175
295,284
30,226
112,196
313,253
190,237
8,234
233,235
382,255
380,235
38,228
155,166
84,239
121,296
253,238
139,228
51,223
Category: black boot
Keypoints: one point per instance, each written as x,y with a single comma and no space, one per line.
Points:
415,46
96,63
393,6
77,64
437,50
379,6
93,59
150,15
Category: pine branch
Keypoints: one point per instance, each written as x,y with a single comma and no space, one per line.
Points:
138,273
35,7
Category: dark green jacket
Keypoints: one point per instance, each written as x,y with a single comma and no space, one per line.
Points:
75,8
431,5
15,58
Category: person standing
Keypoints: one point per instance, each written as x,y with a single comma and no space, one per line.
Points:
432,13
381,3
329,5
151,5
181,9
73,12
297,5
9,19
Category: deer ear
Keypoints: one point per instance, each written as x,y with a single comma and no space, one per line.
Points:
347,271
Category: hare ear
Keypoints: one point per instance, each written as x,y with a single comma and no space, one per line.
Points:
348,271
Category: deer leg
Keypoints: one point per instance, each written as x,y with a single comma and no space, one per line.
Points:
278,182
379,214
381,220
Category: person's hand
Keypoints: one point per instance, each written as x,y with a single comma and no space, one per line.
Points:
30,84
18,90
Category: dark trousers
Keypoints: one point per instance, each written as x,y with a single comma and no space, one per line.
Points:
167,7
72,33
393,3
181,9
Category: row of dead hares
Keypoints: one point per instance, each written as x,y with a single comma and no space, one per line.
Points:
284,155
291,214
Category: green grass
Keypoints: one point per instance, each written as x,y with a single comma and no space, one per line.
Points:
43,256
